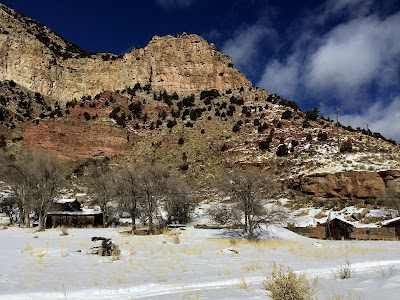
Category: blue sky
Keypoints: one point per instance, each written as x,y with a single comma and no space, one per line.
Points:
323,54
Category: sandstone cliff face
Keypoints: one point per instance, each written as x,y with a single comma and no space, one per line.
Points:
349,185
35,57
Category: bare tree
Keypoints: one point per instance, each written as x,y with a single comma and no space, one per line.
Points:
178,202
154,180
102,186
17,174
224,214
47,178
129,193
8,205
249,189
35,179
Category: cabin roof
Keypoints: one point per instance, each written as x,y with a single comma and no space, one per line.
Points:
74,213
347,223
63,201
388,222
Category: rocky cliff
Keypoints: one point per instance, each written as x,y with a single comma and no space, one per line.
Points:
349,185
35,57
177,100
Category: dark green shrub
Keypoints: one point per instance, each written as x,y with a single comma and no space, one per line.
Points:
287,115
264,145
294,144
346,146
224,147
306,124
282,150
12,83
322,136
312,115
236,128
136,107
211,94
188,101
171,123
86,115
114,113
193,115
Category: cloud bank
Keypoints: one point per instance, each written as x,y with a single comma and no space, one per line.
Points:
382,117
343,53
244,45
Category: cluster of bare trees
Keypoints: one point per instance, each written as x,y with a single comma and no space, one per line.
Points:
146,191
35,179
149,192
250,192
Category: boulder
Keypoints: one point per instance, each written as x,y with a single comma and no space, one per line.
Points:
342,185
107,247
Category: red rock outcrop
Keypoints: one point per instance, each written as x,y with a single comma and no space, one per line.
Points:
348,185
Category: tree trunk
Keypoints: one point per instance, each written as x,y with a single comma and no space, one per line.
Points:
150,230
133,217
103,208
42,218
27,219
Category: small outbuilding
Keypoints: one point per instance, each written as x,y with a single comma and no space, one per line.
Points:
338,229
68,212
74,219
395,223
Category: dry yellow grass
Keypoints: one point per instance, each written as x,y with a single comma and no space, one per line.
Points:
244,285
186,296
320,215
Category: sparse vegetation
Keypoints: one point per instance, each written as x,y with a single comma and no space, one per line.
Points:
284,284
345,271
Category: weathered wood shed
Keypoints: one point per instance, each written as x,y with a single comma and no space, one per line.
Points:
338,229
395,222
74,219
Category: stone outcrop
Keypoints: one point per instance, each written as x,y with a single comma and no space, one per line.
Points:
35,57
348,185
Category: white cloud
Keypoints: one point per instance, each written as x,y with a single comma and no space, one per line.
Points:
355,54
243,47
354,8
381,117
283,77
354,64
174,4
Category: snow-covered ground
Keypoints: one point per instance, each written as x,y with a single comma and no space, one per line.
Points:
200,264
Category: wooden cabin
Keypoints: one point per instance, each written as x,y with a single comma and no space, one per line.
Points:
338,229
395,223
68,212
77,219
